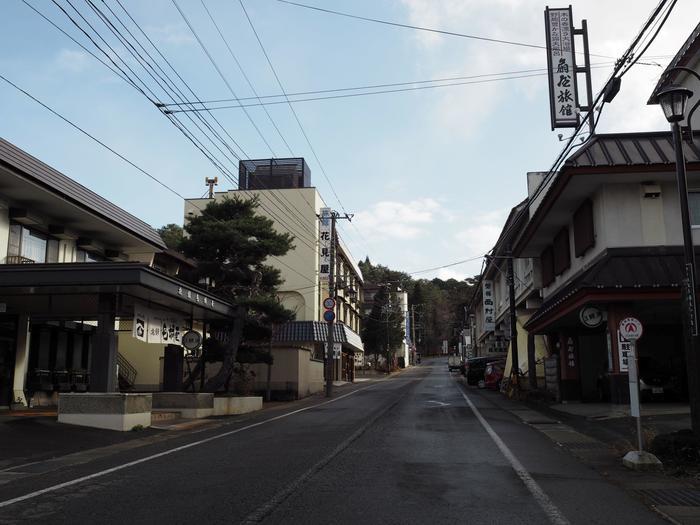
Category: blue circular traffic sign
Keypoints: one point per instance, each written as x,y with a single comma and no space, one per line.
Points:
328,316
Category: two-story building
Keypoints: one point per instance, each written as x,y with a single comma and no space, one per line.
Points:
607,236
286,196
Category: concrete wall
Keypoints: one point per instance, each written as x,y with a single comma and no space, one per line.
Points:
622,217
293,370
146,358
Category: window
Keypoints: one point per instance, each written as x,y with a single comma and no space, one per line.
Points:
547,261
85,256
27,245
584,236
694,205
562,257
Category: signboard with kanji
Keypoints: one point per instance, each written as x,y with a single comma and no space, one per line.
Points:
563,97
153,326
324,244
489,306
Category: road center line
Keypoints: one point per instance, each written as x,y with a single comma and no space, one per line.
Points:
550,509
101,473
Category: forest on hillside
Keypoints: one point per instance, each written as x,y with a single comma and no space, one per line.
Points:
439,306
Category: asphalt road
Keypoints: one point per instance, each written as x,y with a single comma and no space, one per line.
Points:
416,448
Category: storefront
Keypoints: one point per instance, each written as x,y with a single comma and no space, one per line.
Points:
59,324
581,323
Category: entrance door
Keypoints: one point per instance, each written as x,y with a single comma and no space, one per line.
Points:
593,357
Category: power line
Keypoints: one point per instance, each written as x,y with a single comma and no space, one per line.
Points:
420,28
378,86
456,263
221,74
296,117
122,157
144,63
245,76
353,95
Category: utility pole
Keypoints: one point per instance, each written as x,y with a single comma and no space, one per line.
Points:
413,332
510,278
330,303
331,318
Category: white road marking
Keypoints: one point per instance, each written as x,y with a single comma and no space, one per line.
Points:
438,403
550,509
101,473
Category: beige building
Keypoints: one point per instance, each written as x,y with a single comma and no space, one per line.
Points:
286,196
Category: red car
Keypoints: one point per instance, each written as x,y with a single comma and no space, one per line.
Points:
494,374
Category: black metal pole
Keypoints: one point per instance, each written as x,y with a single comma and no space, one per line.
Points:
690,321
331,294
515,367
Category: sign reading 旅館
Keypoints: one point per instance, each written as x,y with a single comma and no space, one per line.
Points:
489,306
561,68
156,327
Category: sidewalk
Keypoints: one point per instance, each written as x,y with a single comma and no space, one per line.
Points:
599,436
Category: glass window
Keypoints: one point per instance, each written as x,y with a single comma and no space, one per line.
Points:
33,246
694,205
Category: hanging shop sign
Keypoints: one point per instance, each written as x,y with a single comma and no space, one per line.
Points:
591,316
337,350
156,327
324,244
191,340
570,353
561,71
488,305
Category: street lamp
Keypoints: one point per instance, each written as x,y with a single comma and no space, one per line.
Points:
673,100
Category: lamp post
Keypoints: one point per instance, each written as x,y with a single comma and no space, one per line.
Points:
673,100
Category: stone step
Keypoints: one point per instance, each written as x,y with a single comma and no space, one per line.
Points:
159,416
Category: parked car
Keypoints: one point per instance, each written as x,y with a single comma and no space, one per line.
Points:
474,369
494,374
454,362
655,381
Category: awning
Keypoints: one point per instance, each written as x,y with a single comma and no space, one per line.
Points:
71,291
619,274
317,332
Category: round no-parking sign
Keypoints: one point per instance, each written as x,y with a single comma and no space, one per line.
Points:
631,328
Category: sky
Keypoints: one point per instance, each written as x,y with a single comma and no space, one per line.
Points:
430,175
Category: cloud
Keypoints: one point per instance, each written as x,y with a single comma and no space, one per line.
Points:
483,232
73,61
449,273
174,34
399,220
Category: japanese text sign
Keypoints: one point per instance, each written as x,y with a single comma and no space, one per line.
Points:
325,244
561,71
489,306
152,326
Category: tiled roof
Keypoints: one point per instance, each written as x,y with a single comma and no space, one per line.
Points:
56,182
629,149
650,268
689,48
316,332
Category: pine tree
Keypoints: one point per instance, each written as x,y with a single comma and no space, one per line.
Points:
231,245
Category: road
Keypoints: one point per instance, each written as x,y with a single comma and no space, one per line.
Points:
415,448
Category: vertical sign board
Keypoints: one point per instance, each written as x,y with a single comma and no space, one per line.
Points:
489,308
561,68
324,245
624,352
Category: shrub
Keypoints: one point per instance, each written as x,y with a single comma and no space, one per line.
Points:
678,447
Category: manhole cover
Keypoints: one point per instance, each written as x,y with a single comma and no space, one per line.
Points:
673,497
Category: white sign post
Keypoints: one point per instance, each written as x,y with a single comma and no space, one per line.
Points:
631,330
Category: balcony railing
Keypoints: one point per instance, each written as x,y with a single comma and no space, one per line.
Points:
18,259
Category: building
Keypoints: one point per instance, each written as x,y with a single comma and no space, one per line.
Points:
607,237
76,271
283,188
